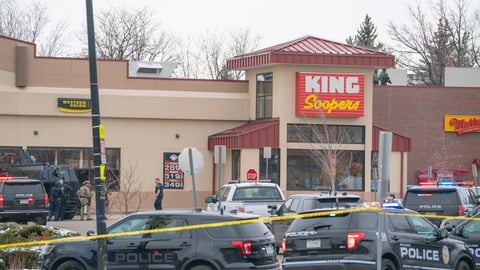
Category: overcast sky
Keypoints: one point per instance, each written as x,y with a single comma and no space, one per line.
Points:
275,21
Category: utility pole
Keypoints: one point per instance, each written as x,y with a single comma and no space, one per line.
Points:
99,158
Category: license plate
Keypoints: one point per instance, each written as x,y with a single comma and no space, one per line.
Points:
314,243
269,250
24,201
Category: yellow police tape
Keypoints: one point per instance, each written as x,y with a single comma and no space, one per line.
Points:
218,224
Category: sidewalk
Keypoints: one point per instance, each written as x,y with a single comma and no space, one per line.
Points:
77,225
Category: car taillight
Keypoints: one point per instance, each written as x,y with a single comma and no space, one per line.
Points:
244,246
461,210
284,245
241,209
45,199
30,199
353,239
1,200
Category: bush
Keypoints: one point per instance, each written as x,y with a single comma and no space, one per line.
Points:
25,257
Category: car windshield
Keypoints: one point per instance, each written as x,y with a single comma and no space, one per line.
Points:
257,193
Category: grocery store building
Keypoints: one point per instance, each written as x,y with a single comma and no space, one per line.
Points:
305,105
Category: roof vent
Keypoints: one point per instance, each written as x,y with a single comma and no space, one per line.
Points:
151,69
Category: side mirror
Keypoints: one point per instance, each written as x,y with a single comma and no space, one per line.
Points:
273,209
211,199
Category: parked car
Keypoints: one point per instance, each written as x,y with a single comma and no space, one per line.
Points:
251,197
23,200
468,231
440,201
299,203
248,245
348,239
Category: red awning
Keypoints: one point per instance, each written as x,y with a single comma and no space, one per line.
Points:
254,134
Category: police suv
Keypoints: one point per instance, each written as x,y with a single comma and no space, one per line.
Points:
468,231
347,239
190,241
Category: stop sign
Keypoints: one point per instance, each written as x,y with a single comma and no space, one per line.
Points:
252,174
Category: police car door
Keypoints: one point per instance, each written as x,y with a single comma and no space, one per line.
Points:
168,245
426,249
125,248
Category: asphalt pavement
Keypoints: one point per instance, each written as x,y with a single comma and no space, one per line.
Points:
77,225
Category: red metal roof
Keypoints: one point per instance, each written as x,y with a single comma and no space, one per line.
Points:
254,134
310,50
400,143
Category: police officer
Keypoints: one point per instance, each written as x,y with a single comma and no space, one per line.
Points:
85,195
66,191
55,198
158,194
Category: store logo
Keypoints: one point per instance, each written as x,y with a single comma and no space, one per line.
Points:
330,94
461,124
74,105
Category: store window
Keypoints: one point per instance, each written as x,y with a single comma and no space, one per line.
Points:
236,165
273,164
307,170
310,133
264,97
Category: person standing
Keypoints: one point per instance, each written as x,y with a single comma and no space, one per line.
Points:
66,191
85,195
158,194
55,198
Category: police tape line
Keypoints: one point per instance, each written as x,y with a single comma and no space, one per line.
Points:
219,224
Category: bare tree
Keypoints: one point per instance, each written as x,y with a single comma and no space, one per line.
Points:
214,50
426,48
129,196
30,22
132,35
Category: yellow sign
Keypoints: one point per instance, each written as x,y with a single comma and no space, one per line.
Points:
461,124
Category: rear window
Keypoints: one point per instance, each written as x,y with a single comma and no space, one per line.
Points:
248,230
328,222
257,193
429,196
22,187
332,202
344,221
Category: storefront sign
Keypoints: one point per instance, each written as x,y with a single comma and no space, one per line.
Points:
172,175
74,105
330,94
461,123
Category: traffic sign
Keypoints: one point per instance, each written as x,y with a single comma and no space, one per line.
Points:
252,174
190,158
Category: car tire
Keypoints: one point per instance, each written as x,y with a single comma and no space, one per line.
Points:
70,265
387,264
202,267
41,220
462,265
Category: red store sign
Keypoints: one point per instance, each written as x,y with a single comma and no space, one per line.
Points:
330,94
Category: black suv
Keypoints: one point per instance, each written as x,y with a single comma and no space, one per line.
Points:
468,231
49,174
440,201
347,239
299,203
229,246
23,200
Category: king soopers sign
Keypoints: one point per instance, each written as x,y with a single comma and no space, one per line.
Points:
330,94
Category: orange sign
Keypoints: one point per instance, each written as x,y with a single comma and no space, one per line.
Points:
461,124
330,94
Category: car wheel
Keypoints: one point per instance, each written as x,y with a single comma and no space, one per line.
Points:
462,265
70,265
41,220
202,267
387,264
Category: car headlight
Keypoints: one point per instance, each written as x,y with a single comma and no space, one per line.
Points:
47,249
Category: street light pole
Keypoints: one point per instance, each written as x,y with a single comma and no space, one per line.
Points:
99,158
